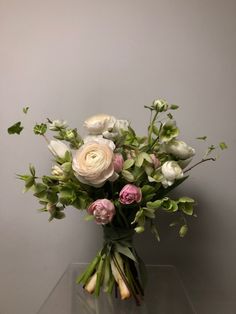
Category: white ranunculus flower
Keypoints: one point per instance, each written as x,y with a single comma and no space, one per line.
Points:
116,131
100,140
58,148
121,125
179,149
93,163
171,171
100,123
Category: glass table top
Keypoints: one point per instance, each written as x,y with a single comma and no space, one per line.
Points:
164,294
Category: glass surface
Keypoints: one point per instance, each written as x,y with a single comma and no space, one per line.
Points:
164,294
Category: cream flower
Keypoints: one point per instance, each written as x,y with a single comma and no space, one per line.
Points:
100,140
58,148
93,163
100,123
117,129
179,149
171,171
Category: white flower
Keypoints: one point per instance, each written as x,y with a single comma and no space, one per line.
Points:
179,149
100,140
171,171
57,124
93,163
58,148
100,123
116,131
184,163
57,171
121,125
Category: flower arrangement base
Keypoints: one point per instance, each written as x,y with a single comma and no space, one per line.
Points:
116,266
164,293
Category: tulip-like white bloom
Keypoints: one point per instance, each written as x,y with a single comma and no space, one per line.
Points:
179,149
93,163
100,123
58,148
171,171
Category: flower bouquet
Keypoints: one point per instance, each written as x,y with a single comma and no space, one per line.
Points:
122,181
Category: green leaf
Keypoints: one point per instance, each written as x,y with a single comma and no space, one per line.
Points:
155,204
15,128
128,175
139,229
169,115
174,107
25,110
186,208
147,189
185,199
40,129
139,160
128,164
174,223
125,251
149,213
223,146
155,231
89,217
183,230
32,170
203,138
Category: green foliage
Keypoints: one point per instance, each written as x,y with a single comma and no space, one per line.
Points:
25,110
223,146
183,231
40,129
15,128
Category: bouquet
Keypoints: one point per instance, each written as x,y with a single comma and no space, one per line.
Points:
122,181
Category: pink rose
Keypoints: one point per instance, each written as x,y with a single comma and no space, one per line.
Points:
130,194
103,210
118,162
155,161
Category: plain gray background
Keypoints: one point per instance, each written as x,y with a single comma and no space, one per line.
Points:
71,59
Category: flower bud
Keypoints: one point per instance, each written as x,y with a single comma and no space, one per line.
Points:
103,210
179,149
130,194
118,162
57,171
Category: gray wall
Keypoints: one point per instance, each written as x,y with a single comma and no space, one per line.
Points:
71,59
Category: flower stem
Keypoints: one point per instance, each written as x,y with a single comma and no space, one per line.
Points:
198,163
125,280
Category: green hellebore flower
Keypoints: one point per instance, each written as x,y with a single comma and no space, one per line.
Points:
169,131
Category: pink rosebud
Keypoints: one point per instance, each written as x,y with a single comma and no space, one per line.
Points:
103,210
118,162
155,161
130,194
